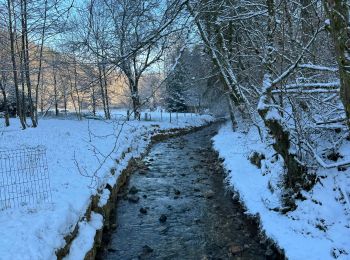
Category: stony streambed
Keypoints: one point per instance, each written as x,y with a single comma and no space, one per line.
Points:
176,206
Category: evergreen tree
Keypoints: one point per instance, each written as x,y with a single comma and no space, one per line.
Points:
176,85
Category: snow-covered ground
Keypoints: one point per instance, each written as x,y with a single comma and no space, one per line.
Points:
80,156
320,226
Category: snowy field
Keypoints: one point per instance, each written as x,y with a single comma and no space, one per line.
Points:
80,155
320,226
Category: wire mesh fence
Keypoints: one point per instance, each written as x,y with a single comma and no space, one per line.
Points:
24,177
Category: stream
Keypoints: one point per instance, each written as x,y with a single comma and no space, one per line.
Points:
177,206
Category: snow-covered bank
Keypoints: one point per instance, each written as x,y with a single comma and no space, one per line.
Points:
320,226
75,151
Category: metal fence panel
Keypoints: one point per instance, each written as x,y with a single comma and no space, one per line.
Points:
24,177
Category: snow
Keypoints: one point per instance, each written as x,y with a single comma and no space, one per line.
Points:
320,226
315,85
318,67
85,239
75,152
273,114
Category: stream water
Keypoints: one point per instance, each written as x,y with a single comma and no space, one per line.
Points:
176,206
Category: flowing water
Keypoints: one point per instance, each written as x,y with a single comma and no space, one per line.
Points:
176,206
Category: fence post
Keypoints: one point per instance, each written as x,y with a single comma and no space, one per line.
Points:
170,116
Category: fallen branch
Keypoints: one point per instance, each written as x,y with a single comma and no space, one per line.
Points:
322,163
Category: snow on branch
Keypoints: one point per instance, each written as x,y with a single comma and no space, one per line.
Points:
311,88
307,91
317,67
314,85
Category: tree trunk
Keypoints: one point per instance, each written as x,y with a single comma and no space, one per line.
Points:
93,97
108,113
135,99
23,99
6,107
40,64
14,65
232,108
272,118
65,98
76,87
26,62
100,78
338,13
55,90
42,97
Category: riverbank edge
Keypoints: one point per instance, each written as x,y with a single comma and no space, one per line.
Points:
276,251
108,209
